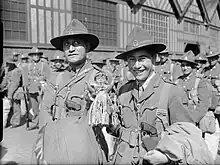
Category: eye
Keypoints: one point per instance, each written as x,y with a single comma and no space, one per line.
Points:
131,59
142,59
76,43
66,43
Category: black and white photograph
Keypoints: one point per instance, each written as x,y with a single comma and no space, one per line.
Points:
110,82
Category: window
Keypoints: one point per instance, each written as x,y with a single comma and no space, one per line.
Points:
48,19
214,33
191,27
157,25
14,18
99,17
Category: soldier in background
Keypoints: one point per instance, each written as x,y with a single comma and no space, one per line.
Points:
197,95
167,67
38,72
15,95
202,61
5,84
57,69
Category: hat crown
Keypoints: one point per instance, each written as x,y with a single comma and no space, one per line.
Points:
137,38
35,50
201,56
188,56
14,53
75,27
24,55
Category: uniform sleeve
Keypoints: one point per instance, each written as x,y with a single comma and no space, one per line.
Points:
15,81
204,96
4,83
46,71
178,112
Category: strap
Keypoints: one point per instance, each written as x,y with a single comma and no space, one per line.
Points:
162,121
196,83
74,79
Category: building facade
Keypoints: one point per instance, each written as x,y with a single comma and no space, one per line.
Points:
28,23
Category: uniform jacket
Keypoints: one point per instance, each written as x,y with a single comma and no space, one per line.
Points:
37,72
75,94
211,74
146,106
169,70
15,91
198,100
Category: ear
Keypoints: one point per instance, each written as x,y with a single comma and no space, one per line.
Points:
87,47
154,57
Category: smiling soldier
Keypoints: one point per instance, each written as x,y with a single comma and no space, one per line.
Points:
154,120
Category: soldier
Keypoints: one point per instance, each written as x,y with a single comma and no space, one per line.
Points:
212,73
149,104
202,61
24,58
167,67
71,105
38,71
198,95
15,95
5,84
58,60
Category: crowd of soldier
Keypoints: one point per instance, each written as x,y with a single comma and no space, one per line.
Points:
65,87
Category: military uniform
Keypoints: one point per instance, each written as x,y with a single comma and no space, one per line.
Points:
169,70
69,101
38,72
150,106
212,73
72,133
15,93
143,109
5,85
197,100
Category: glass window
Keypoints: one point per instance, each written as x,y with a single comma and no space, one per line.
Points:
103,18
14,19
156,24
191,27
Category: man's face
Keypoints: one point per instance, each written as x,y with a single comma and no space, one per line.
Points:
24,60
186,68
213,60
75,50
35,57
140,63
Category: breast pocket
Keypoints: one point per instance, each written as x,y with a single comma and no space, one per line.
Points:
148,113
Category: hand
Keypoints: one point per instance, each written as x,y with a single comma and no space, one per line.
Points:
156,157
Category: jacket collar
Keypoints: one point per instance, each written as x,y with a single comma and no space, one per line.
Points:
149,90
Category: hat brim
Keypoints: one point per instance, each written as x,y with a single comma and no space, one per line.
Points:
213,55
53,60
191,62
93,40
154,48
201,60
38,53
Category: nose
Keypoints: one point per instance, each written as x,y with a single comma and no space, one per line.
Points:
71,48
137,64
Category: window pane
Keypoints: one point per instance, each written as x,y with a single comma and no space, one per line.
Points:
14,19
98,17
156,24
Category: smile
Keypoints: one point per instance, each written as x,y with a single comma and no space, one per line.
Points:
72,55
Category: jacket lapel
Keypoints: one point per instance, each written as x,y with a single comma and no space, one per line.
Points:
150,89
